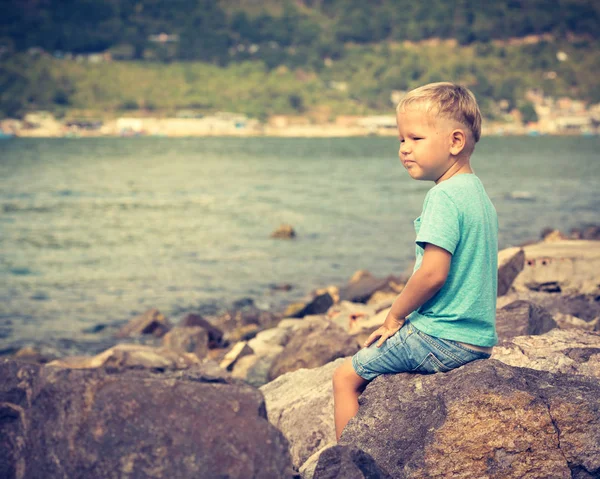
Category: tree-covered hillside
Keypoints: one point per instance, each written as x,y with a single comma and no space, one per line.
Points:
269,57
208,30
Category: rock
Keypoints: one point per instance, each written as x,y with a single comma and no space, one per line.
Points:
270,342
284,232
510,264
485,419
573,264
523,318
188,340
333,291
383,299
300,405
591,232
558,351
293,309
552,236
346,462
130,356
318,305
362,327
92,424
34,355
346,313
363,285
314,344
239,350
548,287
291,324
215,335
307,470
246,314
151,322
568,321
253,369
584,306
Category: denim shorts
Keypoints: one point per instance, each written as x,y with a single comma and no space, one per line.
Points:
412,351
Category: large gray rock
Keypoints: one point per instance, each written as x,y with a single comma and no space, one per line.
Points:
314,344
300,404
523,318
87,423
583,306
363,285
485,419
558,351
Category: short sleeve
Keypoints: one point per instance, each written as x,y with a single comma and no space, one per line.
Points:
440,222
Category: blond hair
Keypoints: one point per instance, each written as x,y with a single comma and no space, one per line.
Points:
448,100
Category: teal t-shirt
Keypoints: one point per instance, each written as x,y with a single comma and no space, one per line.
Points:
459,216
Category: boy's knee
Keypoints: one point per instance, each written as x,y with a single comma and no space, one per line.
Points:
345,376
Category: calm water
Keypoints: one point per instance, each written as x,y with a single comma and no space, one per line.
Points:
94,231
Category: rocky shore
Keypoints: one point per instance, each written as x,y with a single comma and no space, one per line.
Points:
248,393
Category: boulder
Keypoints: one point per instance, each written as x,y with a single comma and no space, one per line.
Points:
319,305
215,335
300,405
568,321
583,306
284,232
510,264
574,265
89,423
485,419
363,285
558,351
238,351
130,356
314,344
270,342
151,322
347,462
346,313
188,340
522,318
244,314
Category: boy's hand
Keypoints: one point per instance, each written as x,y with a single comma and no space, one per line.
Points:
390,326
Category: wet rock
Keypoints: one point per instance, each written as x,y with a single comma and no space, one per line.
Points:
510,264
485,419
314,344
151,322
558,351
215,335
300,405
130,356
284,231
522,318
318,305
134,424
188,340
347,462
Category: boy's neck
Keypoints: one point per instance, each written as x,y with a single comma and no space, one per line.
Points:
458,168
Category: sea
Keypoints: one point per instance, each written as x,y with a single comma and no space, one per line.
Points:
96,231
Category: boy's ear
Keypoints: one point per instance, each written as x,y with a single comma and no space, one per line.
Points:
458,141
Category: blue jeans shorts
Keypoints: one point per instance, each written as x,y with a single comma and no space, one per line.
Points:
412,351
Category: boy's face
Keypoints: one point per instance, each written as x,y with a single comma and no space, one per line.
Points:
425,144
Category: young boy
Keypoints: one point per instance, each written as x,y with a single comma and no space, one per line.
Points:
446,315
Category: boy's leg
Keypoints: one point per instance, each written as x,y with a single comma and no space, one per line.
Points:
347,387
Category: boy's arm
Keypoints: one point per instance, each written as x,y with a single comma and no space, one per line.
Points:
422,285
